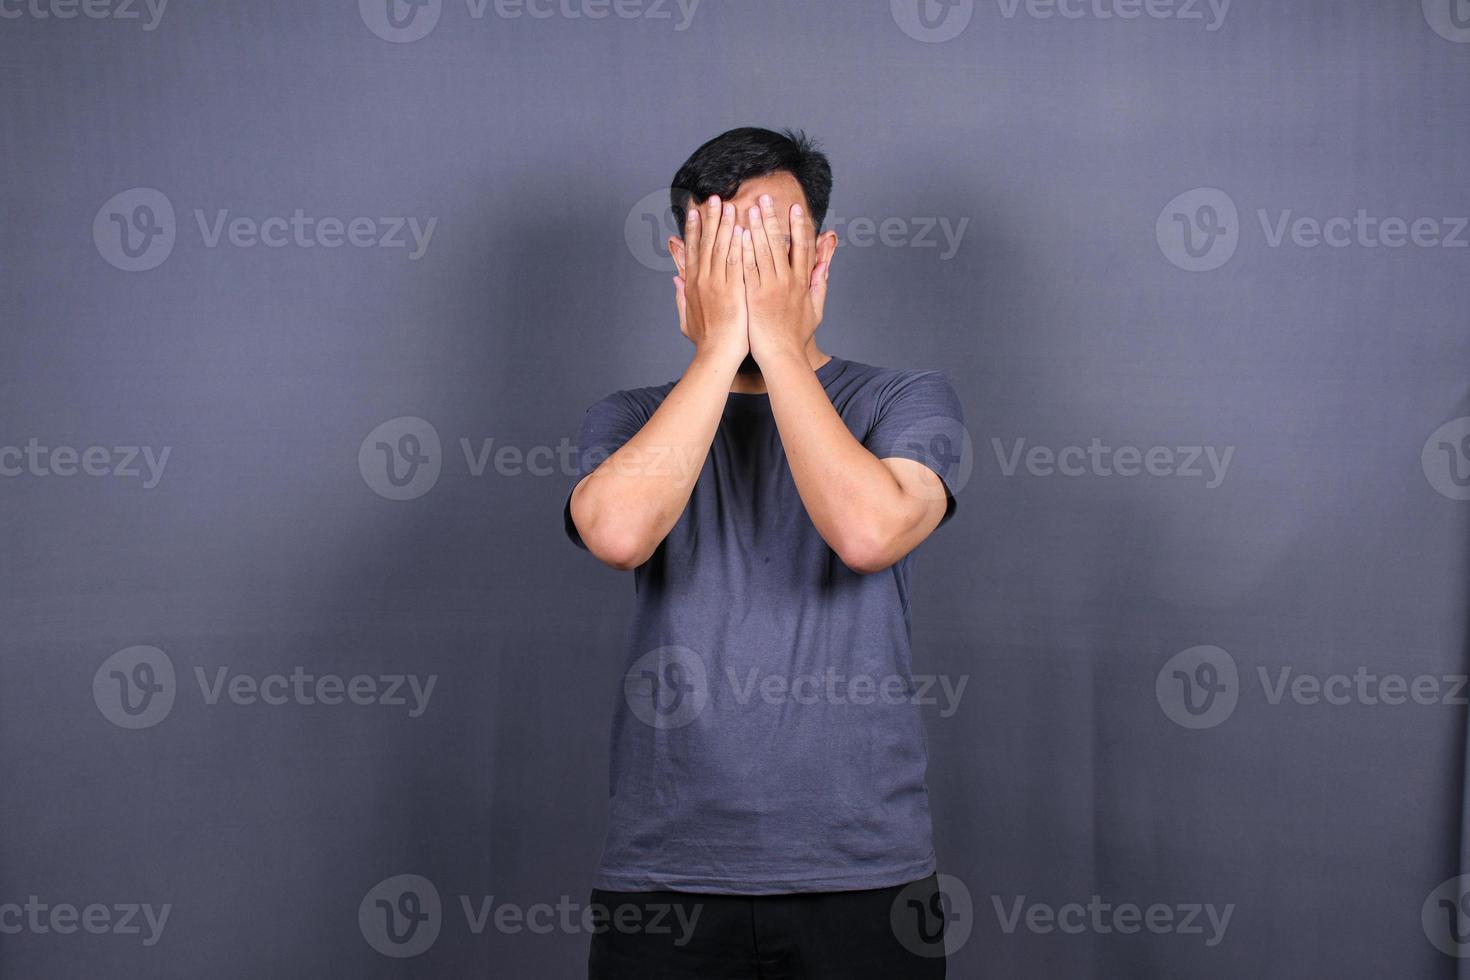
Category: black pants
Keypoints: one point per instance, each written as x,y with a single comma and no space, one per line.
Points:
888,933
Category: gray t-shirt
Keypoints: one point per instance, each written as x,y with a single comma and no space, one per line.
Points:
767,739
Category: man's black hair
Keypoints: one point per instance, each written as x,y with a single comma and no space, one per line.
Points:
730,159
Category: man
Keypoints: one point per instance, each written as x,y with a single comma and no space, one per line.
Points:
768,805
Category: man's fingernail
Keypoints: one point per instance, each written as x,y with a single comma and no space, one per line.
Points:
766,200
796,210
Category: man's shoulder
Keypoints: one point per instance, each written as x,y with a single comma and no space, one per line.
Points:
645,398
889,379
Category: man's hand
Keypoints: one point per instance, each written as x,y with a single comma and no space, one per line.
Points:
626,506
785,287
710,287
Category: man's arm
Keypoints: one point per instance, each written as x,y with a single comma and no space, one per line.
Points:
871,512
627,506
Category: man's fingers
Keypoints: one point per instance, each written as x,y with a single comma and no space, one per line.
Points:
722,240
711,221
776,239
803,242
734,262
763,258
691,241
818,275
682,305
747,258
819,288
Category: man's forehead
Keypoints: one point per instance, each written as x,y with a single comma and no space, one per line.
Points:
783,188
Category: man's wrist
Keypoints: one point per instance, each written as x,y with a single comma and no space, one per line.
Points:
781,358
725,359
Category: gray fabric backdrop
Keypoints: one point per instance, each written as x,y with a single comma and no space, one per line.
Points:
302,304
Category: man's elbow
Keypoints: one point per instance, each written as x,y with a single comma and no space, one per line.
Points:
878,542
609,541
867,553
621,551
624,558
866,564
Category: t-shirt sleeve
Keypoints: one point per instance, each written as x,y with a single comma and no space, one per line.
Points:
920,418
606,426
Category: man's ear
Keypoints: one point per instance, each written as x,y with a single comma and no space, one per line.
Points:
826,245
676,249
